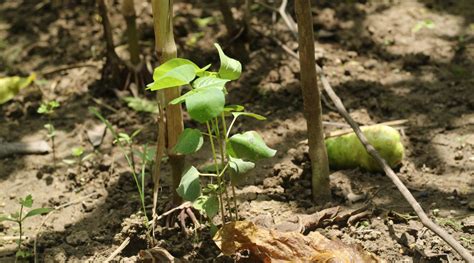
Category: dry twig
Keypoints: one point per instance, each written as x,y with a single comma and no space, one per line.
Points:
118,250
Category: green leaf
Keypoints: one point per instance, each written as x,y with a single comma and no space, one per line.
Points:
189,188
210,167
48,107
189,141
15,216
230,68
240,166
27,202
234,108
205,105
175,72
171,64
175,77
202,71
183,97
209,82
141,105
213,229
205,21
23,254
77,151
249,146
11,86
38,211
249,114
69,161
7,218
207,204
135,133
123,138
53,104
238,169
199,85
147,153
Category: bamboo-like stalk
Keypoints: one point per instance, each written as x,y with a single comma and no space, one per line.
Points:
109,41
171,122
312,103
128,12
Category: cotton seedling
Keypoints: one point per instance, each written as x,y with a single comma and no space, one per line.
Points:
233,155
48,108
78,157
19,218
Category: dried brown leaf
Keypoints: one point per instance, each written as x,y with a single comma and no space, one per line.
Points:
267,245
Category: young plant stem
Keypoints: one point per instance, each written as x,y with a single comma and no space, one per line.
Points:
214,156
312,104
235,203
142,195
20,225
226,137
223,160
51,134
79,163
132,156
129,161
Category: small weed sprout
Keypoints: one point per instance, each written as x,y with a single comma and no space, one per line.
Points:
233,155
427,23
125,142
79,157
47,108
19,218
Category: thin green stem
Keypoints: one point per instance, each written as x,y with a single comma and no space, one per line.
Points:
205,133
20,225
221,149
51,135
235,203
224,126
142,192
230,127
206,174
226,133
132,157
127,157
214,156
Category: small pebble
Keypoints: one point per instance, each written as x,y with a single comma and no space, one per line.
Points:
458,156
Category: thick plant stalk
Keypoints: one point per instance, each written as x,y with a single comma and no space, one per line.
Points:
166,49
128,12
312,104
112,57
